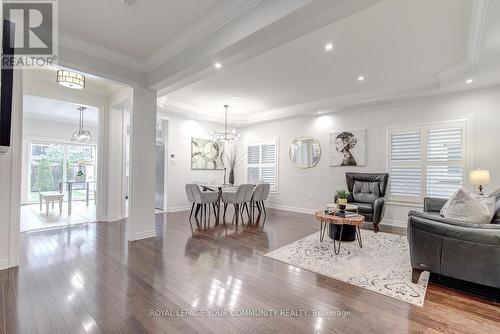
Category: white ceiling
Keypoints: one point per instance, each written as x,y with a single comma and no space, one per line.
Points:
134,32
36,107
394,43
94,85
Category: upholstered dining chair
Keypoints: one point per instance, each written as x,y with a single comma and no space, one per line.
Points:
239,199
260,194
202,199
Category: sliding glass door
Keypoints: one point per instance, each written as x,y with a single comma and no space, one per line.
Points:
54,164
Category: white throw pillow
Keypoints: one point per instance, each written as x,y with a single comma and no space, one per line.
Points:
469,207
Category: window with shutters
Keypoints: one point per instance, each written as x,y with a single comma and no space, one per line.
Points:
427,160
262,163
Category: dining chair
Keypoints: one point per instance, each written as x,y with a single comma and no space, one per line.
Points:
238,198
201,199
260,194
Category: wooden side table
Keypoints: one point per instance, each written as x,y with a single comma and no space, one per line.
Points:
325,220
51,196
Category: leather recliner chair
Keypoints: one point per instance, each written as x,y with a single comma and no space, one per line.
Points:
367,191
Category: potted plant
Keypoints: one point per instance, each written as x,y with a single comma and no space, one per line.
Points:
342,198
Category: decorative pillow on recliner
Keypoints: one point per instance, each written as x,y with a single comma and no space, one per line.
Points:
470,208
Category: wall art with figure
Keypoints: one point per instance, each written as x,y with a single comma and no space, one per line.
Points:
348,148
206,154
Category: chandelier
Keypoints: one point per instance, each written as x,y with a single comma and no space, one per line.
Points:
226,135
81,135
70,79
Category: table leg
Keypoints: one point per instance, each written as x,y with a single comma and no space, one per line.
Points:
358,236
47,207
70,196
218,207
40,198
322,230
337,251
60,207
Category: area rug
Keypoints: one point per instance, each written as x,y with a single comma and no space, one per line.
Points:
382,265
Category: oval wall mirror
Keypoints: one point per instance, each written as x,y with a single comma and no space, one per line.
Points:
305,152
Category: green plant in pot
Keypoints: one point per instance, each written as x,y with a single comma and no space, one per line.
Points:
342,198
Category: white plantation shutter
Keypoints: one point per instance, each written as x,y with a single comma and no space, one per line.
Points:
428,160
444,144
253,154
443,181
262,163
406,181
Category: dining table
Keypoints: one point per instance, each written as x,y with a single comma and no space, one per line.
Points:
220,187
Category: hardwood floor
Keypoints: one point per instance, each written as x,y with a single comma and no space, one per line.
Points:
83,279
33,219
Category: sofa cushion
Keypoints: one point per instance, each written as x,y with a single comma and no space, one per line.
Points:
365,208
469,207
365,192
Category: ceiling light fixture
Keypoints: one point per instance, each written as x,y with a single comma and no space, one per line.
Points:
81,135
320,112
226,135
218,65
236,97
328,46
469,81
361,78
70,79
128,2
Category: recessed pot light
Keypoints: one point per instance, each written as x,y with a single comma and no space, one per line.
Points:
361,78
218,65
469,81
329,46
236,97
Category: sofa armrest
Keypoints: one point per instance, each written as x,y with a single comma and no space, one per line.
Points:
434,204
378,210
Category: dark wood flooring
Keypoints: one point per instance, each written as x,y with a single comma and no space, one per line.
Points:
84,279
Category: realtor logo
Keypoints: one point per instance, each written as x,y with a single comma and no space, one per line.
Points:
33,33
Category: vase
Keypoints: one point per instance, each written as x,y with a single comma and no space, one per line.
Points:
231,177
342,201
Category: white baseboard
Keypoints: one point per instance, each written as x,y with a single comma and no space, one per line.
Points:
145,235
4,264
290,208
179,208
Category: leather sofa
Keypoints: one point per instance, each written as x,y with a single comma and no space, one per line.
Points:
367,191
454,248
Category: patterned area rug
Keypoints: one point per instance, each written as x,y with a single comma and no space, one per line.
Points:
382,265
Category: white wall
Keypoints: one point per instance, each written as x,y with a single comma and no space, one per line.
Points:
179,172
311,189
54,130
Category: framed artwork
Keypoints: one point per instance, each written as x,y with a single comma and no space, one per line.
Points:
348,148
206,154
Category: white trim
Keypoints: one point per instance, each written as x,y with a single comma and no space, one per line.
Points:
145,235
4,264
179,208
290,208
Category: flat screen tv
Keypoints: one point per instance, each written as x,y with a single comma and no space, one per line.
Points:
7,76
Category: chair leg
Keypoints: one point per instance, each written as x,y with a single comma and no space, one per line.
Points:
224,214
197,210
191,214
208,214
265,214
248,213
375,227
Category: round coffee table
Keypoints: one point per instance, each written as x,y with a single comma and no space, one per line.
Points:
355,220
349,233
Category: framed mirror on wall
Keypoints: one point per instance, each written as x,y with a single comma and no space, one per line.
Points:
305,152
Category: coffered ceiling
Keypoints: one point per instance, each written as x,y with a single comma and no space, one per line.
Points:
273,55
399,47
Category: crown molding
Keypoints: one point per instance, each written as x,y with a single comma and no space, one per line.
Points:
480,18
73,43
220,16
